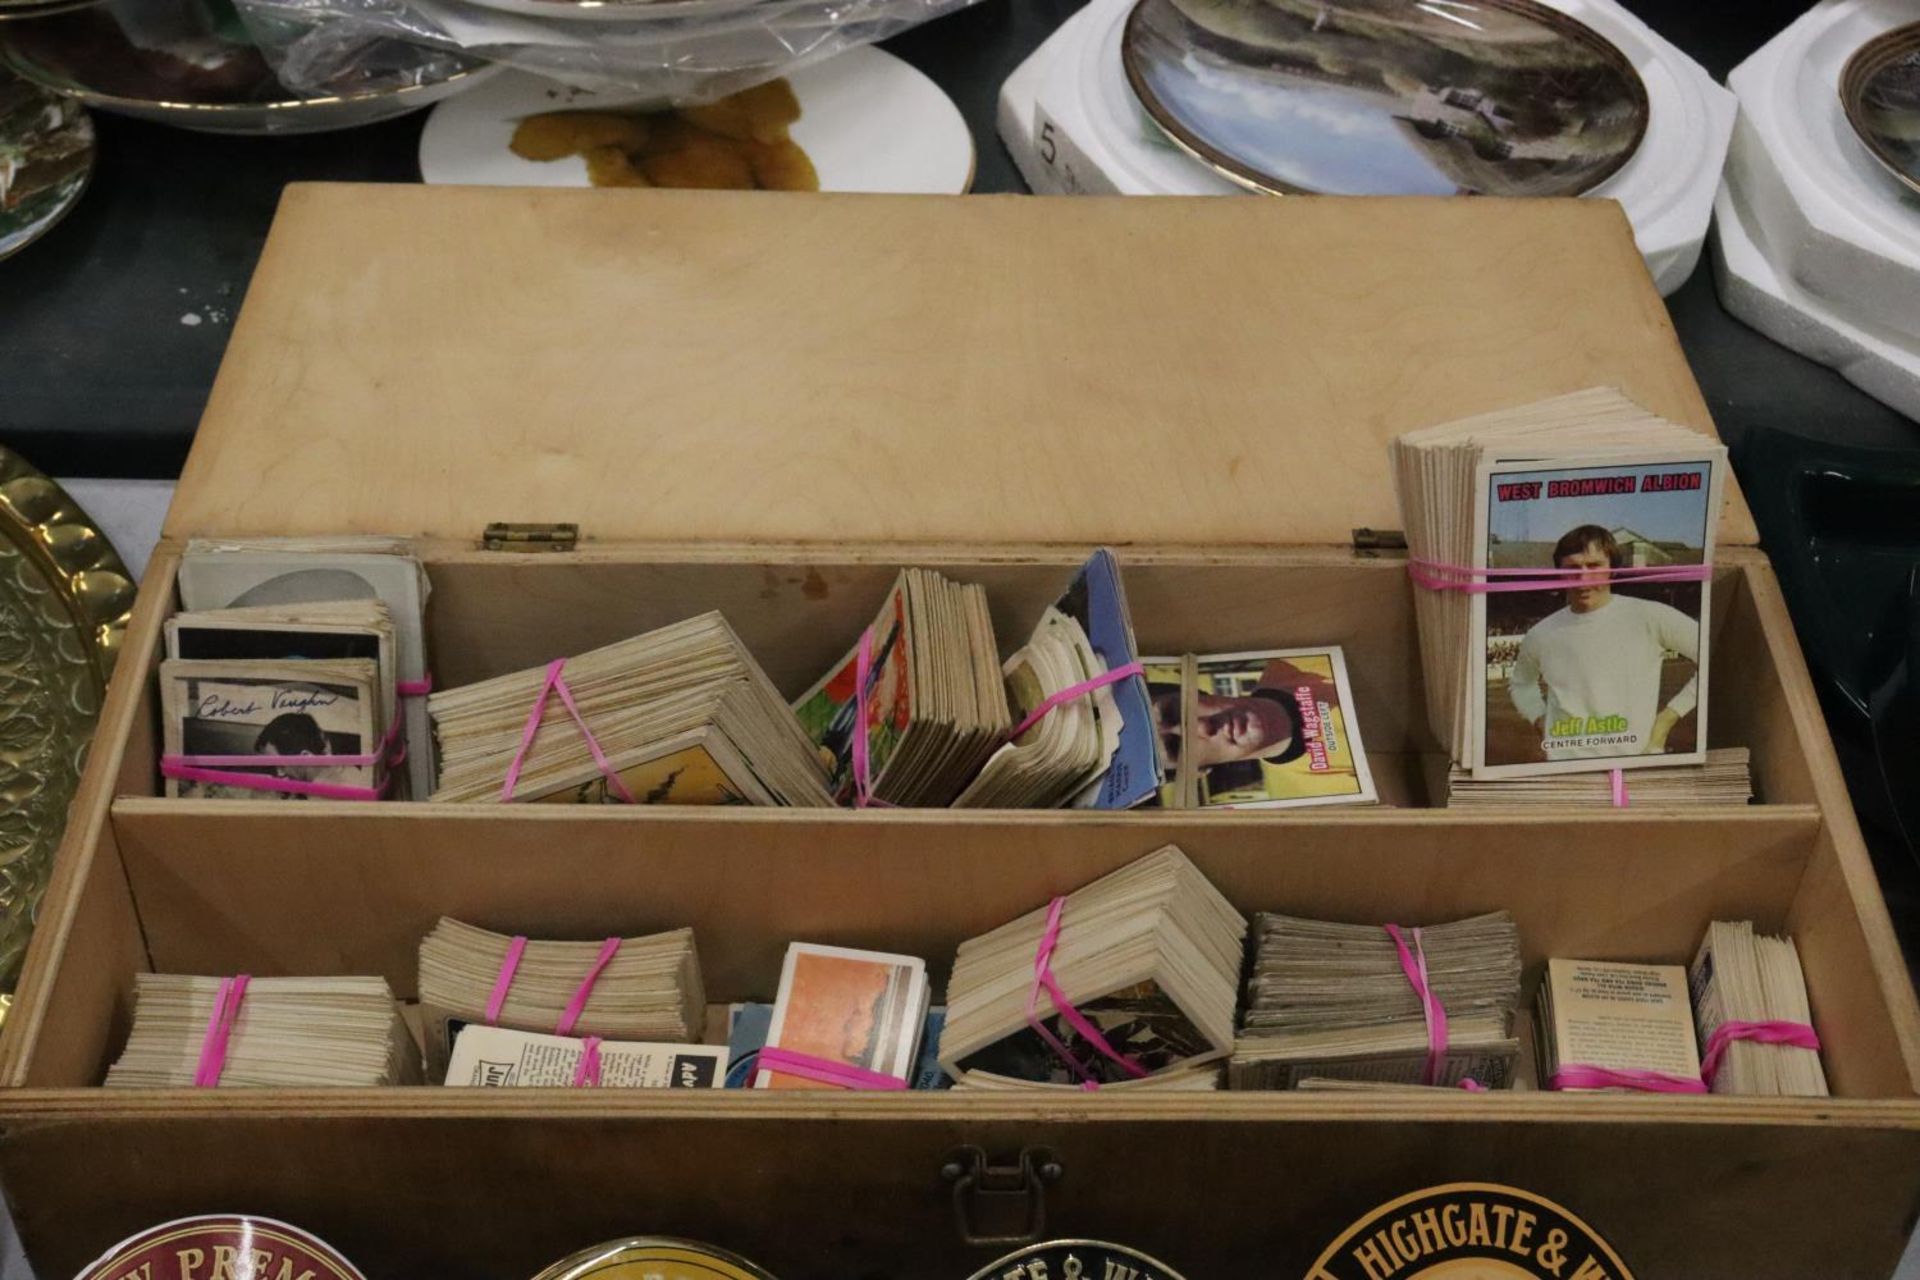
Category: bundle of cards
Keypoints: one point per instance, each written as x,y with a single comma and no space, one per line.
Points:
1270,729
1324,1084
748,1025
1559,552
1741,976
1336,1001
650,990
276,682
1201,1079
499,1058
680,715
935,704
276,573
1724,779
861,1009
289,1033
1094,750
1599,1017
1148,957
307,728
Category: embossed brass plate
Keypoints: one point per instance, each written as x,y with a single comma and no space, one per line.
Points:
64,602
653,1258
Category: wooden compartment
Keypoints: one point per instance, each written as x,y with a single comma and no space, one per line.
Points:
837,391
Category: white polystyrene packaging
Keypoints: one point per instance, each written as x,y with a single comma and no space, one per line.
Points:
1880,363
1833,222
1071,101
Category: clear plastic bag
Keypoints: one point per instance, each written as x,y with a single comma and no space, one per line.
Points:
669,51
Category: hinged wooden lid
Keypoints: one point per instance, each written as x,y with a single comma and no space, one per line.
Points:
679,366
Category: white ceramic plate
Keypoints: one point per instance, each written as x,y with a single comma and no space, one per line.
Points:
868,121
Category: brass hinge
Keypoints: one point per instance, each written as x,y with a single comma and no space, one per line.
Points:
1365,540
1000,1204
502,536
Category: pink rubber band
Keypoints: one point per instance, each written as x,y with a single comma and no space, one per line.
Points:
509,965
1043,978
1414,965
171,768
841,1075
1796,1034
213,1047
578,1005
556,683
280,762
217,769
1619,788
1580,1075
1436,575
414,688
1471,1085
1071,692
587,1074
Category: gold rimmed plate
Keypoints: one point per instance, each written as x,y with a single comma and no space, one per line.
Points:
210,85
64,602
46,160
653,1258
1388,97
1880,92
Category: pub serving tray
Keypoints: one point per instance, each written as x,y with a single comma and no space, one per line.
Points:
766,405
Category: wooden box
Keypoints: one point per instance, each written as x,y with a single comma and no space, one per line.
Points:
765,405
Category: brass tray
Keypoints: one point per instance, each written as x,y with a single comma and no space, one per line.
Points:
64,602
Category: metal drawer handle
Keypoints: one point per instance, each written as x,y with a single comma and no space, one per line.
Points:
991,1193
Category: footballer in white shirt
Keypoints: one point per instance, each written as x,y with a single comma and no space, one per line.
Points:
1587,676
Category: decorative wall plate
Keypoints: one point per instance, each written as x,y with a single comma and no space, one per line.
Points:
46,158
1880,91
206,84
64,603
653,1258
1388,97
